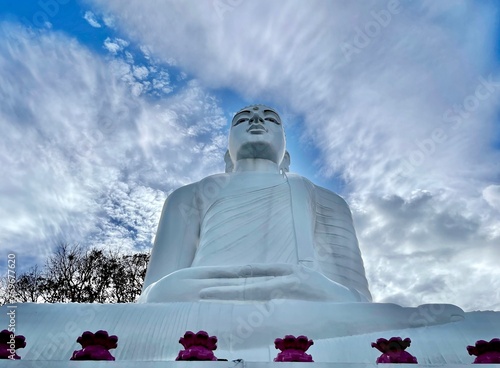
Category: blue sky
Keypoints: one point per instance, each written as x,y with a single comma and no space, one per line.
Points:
107,106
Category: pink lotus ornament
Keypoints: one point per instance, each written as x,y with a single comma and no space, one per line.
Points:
293,349
393,350
95,346
486,352
9,343
197,346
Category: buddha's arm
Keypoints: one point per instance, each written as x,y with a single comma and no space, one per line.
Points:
336,243
177,236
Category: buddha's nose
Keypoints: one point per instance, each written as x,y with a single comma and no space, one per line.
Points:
255,119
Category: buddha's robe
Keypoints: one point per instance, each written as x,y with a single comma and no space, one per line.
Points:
258,220
248,224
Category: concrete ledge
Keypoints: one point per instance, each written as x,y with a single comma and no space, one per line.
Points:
149,334
229,364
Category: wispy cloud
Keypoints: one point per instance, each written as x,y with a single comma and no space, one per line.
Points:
115,45
152,79
492,195
83,159
91,19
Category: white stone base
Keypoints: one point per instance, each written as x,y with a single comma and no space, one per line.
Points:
342,333
242,364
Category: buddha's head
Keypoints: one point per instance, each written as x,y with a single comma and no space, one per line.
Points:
257,132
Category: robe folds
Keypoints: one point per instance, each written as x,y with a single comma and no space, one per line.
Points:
264,218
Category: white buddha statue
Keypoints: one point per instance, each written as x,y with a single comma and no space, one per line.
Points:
250,255
256,232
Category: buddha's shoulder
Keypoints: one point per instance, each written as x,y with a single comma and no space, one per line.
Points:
300,180
212,181
195,186
182,194
206,185
321,194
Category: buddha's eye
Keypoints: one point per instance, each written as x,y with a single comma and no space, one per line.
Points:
273,120
239,121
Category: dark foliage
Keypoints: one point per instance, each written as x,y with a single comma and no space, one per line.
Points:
76,274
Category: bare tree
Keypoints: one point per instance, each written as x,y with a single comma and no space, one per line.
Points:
62,281
27,286
6,295
129,277
76,274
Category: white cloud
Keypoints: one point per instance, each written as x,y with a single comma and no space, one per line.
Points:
91,19
400,120
492,195
429,249
115,45
152,79
109,21
141,72
83,160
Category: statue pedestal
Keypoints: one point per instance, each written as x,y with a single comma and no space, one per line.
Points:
342,332
230,364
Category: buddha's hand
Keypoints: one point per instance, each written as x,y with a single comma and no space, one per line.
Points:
258,282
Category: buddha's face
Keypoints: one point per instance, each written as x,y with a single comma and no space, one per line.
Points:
256,132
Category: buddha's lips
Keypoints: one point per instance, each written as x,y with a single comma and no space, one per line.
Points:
256,129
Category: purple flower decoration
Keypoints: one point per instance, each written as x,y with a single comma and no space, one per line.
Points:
293,349
486,352
95,346
9,343
393,350
197,346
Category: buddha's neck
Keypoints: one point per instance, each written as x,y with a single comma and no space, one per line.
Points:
256,164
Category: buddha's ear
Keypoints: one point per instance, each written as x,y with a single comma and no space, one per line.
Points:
229,162
285,163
